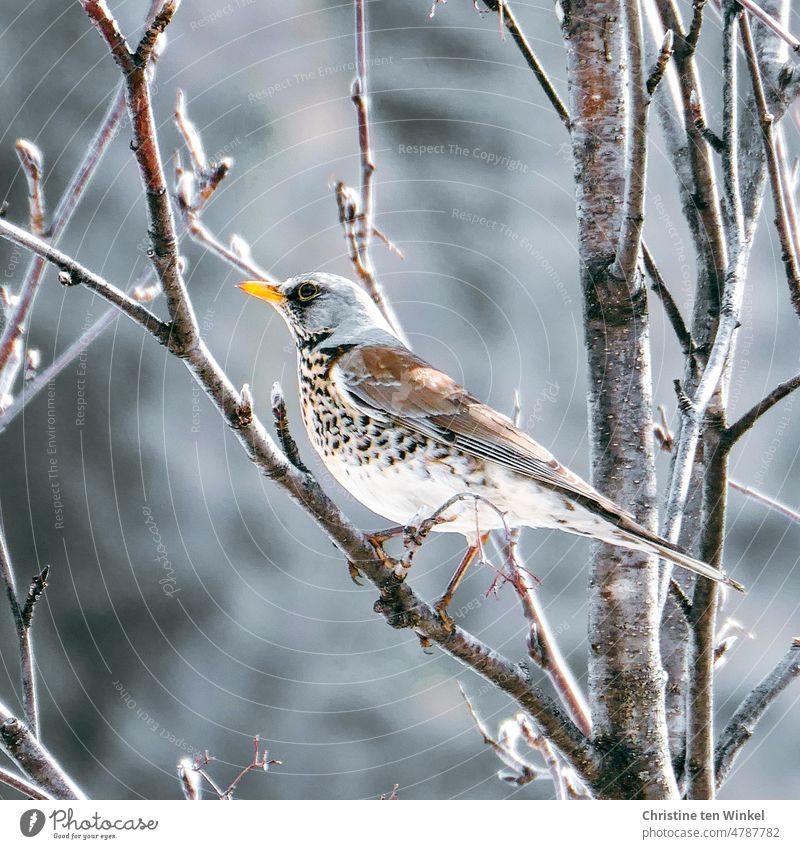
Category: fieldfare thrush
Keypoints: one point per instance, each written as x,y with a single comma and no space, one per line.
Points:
405,439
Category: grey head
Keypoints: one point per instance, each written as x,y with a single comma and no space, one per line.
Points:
324,309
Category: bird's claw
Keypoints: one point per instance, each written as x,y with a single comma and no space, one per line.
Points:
378,538
355,573
445,618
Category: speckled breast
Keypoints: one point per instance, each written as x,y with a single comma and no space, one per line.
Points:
342,434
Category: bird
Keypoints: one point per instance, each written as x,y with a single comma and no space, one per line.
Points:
409,443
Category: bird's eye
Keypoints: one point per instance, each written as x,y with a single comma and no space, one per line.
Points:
307,291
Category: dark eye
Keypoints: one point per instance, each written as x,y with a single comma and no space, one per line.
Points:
307,291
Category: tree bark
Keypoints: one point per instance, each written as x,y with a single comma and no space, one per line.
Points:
626,679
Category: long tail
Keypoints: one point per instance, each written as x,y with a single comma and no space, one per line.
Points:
654,544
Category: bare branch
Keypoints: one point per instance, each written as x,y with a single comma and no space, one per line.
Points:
74,274
542,647
30,389
693,35
285,437
565,786
35,592
192,773
699,193
194,189
699,122
630,237
742,724
660,67
521,772
33,759
21,618
398,603
776,26
670,307
700,780
66,206
507,17
261,762
789,183
144,52
777,506
23,786
735,431
729,311
161,227
766,121
364,223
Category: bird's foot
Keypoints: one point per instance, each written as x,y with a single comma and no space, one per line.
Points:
446,619
378,538
355,573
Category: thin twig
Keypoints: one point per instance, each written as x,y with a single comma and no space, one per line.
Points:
766,121
364,224
27,671
735,431
776,26
693,35
789,183
522,772
728,319
75,273
700,781
699,123
63,214
670,307
30,389
540,744
777,506
193,190
285,437
161,226
660,66
35,592
502,7
22,785
700,198
261,763
542,647
743,723
191,774
33,759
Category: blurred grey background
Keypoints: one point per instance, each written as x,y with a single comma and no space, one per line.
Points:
253,626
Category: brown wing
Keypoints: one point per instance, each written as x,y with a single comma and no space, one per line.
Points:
393,384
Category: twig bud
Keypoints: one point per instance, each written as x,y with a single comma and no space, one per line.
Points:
30,156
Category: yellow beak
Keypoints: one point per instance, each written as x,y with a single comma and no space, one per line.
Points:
262,290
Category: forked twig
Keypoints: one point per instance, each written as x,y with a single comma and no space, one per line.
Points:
195,188
359,223
192,774
742,724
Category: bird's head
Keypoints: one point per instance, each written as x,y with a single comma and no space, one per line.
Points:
319,306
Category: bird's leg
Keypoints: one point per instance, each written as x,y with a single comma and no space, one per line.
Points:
444,602
378,538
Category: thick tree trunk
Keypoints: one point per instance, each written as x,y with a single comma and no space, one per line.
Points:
626,679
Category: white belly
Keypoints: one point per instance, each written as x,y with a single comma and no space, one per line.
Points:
409,492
